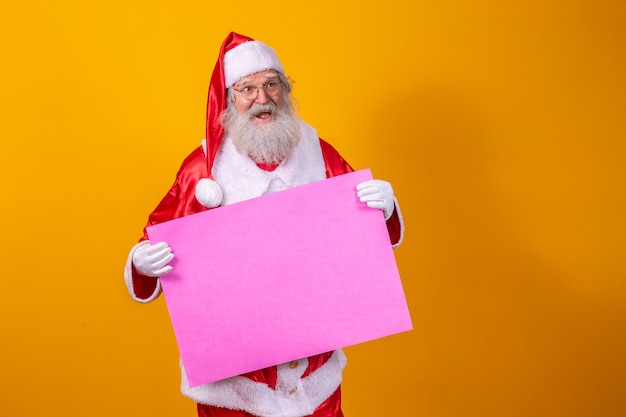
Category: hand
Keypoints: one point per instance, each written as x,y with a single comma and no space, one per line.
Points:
377,194
152,260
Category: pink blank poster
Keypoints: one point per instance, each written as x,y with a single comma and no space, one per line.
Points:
280,277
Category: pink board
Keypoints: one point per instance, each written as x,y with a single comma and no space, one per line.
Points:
280,277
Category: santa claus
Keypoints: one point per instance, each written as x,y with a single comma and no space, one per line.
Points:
255,144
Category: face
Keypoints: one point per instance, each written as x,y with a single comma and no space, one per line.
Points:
258,79
264,127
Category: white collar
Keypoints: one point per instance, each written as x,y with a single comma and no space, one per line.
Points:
241,179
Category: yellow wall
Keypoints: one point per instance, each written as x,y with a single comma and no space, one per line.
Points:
501,127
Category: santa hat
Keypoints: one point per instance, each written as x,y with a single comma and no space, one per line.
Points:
239,57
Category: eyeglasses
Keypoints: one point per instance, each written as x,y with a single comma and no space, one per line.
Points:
250,92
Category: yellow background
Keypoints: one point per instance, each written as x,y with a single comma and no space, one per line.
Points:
501,127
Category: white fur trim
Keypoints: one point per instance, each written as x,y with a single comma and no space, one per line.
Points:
128,276
241,393
209,193
249,58
305,164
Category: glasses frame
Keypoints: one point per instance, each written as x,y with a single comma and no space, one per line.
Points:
256,88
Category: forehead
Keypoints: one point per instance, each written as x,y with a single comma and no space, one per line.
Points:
258,77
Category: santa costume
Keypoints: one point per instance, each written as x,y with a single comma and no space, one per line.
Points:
216,174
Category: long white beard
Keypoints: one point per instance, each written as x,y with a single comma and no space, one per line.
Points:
267,143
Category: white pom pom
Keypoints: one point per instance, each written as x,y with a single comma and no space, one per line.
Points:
209,193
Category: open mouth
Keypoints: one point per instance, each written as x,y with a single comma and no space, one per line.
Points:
262,112
263,115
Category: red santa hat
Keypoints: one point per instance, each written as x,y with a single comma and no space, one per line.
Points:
239,57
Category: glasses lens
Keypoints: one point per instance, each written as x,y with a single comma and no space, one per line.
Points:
249,93
272,88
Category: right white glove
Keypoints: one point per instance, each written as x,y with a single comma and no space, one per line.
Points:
152,260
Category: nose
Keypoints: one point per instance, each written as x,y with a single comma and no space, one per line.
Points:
262,96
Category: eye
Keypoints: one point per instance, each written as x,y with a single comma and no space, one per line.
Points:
247,89
271,84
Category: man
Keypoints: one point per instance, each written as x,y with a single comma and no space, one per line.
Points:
255,145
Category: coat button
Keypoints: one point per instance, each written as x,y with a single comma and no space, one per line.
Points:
293,391
293,364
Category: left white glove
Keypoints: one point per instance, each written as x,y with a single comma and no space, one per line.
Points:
377,194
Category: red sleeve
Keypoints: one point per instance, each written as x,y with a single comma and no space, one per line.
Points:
181,198
336,165
178,202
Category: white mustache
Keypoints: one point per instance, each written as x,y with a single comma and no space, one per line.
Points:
258,108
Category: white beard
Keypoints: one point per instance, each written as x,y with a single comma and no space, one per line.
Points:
268,143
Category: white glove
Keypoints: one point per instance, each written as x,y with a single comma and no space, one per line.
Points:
152,260
377,194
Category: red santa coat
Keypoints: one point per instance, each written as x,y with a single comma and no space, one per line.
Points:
295,389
